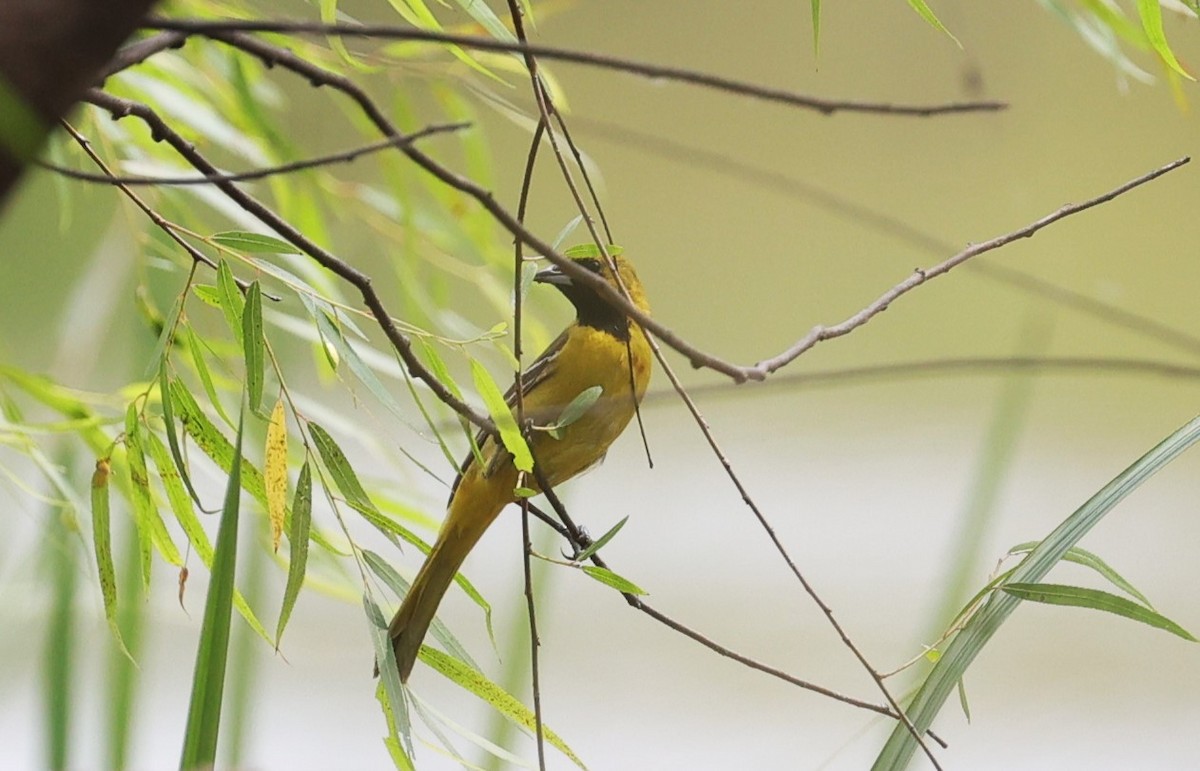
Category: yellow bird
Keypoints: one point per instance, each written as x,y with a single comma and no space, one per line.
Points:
602,347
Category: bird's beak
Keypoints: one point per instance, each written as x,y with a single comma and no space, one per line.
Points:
552,275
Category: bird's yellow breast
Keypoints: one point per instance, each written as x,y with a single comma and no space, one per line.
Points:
589,358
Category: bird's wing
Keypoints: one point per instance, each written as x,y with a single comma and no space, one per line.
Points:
536,374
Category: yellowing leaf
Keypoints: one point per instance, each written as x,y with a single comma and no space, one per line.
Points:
275,471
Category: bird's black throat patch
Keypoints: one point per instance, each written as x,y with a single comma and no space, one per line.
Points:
591,310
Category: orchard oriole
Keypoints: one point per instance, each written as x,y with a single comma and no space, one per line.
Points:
601,348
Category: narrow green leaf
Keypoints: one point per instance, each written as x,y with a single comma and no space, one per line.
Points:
927,14
400,758
397,584
194,344
255,243
146,515
525,492
212,442
298,541
487,19
102,543
438,367
231,298
506,424
168,416
253,345
474,682
599,543
158,355
1088,559
1080,597
340,469
609,578
352,490
1151,14
389,676
329,331
578,406
208,683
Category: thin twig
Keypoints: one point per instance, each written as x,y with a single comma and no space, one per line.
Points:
653,71
246,176
140,51
920,276
519,398
580,541
120,108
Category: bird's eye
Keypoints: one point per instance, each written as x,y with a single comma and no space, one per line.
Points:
591,264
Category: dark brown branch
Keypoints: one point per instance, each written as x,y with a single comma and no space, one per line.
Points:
160,131
346,156
654,71
140,51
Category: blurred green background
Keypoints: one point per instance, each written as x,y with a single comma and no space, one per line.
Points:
723,202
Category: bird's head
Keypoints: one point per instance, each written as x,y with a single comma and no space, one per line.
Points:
591,309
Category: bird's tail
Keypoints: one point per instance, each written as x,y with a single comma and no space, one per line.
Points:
474,507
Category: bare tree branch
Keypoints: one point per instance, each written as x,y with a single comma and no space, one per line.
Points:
655,71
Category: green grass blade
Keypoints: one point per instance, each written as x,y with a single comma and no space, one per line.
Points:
243,670
208,683
186,516
961,652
